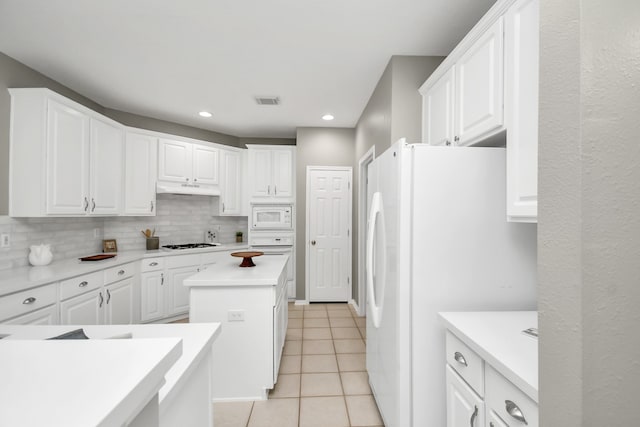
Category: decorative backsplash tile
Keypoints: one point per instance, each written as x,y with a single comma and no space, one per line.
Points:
180,219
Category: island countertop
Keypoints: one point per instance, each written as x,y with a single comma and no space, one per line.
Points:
497,337
79,382
229,273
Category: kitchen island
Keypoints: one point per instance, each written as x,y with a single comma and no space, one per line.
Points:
251,303
159,377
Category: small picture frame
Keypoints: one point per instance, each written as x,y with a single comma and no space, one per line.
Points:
109,245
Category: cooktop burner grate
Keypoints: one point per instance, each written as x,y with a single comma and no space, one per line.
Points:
189,246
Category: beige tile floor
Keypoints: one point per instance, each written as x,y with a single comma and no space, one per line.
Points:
322,381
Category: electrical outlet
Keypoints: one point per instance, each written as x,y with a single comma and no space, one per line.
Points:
96,233
218,227
5,240
235,315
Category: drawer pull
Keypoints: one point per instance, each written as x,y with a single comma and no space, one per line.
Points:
120,273
29,300
491,424
83,284
101,299
108,296
514,411
473,416
460,358
153,264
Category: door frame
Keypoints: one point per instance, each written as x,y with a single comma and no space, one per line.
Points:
363,211
307,272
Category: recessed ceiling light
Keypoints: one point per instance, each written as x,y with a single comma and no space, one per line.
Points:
327,117
205,114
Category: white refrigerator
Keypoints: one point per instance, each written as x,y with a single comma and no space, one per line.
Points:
437,240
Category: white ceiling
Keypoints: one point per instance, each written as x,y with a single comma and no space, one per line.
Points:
169,59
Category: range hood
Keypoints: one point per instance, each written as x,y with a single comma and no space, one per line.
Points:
196,190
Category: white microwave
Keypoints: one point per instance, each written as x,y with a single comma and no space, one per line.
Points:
271,217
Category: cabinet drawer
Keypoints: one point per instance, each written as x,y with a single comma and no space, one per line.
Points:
466,362
152,264
119,272
508,402
183,261
27,301
81,284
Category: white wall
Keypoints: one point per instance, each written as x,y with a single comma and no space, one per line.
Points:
589,214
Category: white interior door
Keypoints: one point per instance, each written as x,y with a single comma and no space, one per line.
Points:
329,234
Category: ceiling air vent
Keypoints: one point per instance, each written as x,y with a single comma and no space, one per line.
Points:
268,100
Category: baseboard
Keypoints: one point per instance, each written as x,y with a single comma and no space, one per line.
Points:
356,307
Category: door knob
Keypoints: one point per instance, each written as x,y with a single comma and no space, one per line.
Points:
313,242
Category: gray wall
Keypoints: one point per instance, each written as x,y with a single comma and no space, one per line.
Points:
394,111
589,223
316,147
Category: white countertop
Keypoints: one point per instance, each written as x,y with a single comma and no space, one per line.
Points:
79,382
229,273
23,278
196,338
497,337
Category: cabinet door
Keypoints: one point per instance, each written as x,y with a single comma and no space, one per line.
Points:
44,316
282,173
175,161
464,406
521,109
479,88
438,111
106,173
230,183
152,296
67,160
279,331
260,173
119,303
85,309
141,157
205,165
177,293
493,420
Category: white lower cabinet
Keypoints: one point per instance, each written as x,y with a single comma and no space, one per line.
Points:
177,293
152,296
477,395
44,316
464,406
85,309
119,306
27,306
280,319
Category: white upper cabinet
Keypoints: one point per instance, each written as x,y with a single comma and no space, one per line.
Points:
231,190
521,101
141,154
67,166
463,104
271,170
187,163
438,111
65,160
479,88
106,174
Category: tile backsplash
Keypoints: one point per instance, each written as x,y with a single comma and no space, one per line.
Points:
180,219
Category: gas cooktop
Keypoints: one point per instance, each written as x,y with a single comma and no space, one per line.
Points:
189,246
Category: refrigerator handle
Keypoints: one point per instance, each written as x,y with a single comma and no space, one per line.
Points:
374,214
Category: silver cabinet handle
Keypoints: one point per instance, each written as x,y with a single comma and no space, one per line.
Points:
456,138
514,411
108,296
161,279
187,179
120,273
101,299
86,204
460,358
275,190
83,284
491,424
313,243
152,206
268,189
29,300
473,416
447,143
222,206
195,179
93,205
153,264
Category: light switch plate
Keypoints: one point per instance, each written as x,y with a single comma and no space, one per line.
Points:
5,240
